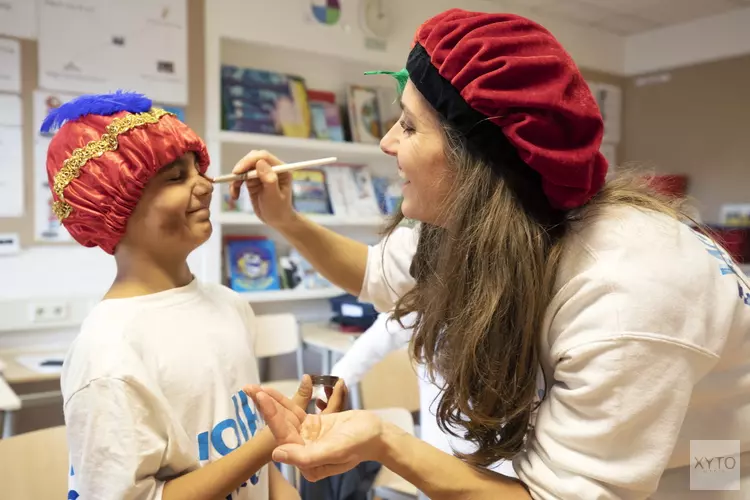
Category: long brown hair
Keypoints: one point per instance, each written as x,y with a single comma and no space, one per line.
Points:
484,279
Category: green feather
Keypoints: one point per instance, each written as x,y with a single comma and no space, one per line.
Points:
401,77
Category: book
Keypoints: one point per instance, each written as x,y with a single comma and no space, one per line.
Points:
364,114
388,194
325,115
310,192
264,102
251,264
351,190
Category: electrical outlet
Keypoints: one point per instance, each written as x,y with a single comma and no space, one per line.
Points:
48,312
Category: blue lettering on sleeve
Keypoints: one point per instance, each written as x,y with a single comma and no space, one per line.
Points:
203,451
249,415
239,420
217,436
247,427
727,265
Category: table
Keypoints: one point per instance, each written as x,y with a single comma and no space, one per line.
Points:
327,340
15,372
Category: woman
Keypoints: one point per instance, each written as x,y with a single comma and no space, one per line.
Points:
579,328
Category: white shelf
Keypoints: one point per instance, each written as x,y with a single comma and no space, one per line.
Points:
325,148
245,219
290,295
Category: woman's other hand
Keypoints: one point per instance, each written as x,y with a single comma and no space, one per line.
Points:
270,193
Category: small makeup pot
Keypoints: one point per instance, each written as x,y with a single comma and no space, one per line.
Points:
320,382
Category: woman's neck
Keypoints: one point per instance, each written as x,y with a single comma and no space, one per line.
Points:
139,273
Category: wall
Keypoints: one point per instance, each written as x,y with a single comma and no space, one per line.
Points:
259,21
696,123
710,39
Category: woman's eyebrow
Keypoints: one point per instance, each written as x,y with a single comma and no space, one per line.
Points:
405,109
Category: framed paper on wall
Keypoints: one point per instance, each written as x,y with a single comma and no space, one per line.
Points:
90,46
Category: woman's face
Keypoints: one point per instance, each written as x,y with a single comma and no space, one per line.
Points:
417,143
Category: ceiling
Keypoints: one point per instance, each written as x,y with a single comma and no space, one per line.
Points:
627,17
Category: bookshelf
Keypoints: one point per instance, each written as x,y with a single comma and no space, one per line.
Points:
323,68
291,295
345,151
241,219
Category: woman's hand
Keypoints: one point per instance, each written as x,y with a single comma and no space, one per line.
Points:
324,445
295,408
270,193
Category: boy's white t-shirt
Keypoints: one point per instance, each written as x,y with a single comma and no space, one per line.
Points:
152,389
646,350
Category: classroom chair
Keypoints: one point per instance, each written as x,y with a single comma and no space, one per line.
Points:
34,465
277,335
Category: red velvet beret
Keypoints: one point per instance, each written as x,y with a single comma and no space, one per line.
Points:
102,157
472,66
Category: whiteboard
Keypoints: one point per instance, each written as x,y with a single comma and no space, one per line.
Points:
18,18
98,46
10,65
46,225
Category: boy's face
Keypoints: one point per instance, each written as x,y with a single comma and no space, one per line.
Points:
172,217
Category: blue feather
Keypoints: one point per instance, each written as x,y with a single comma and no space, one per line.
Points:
95,104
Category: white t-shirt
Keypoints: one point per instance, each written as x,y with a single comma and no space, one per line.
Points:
152,390
646,346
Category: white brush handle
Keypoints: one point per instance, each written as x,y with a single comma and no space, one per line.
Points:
287,167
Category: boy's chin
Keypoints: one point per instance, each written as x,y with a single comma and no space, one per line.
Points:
203,231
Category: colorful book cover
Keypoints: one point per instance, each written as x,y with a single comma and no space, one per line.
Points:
388,194
264,102
252,264
326,116
310,192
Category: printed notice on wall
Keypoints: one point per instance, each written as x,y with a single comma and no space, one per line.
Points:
11,156
10,65
609,99
46,226
90,46
18,18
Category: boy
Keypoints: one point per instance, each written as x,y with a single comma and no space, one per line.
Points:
152,384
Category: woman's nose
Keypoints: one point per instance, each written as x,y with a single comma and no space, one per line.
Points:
389,143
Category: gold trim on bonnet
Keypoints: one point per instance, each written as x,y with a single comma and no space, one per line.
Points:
71,168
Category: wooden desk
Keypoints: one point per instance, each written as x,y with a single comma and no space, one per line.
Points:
9,400
15,372
321,336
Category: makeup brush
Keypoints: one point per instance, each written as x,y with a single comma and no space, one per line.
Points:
287,167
